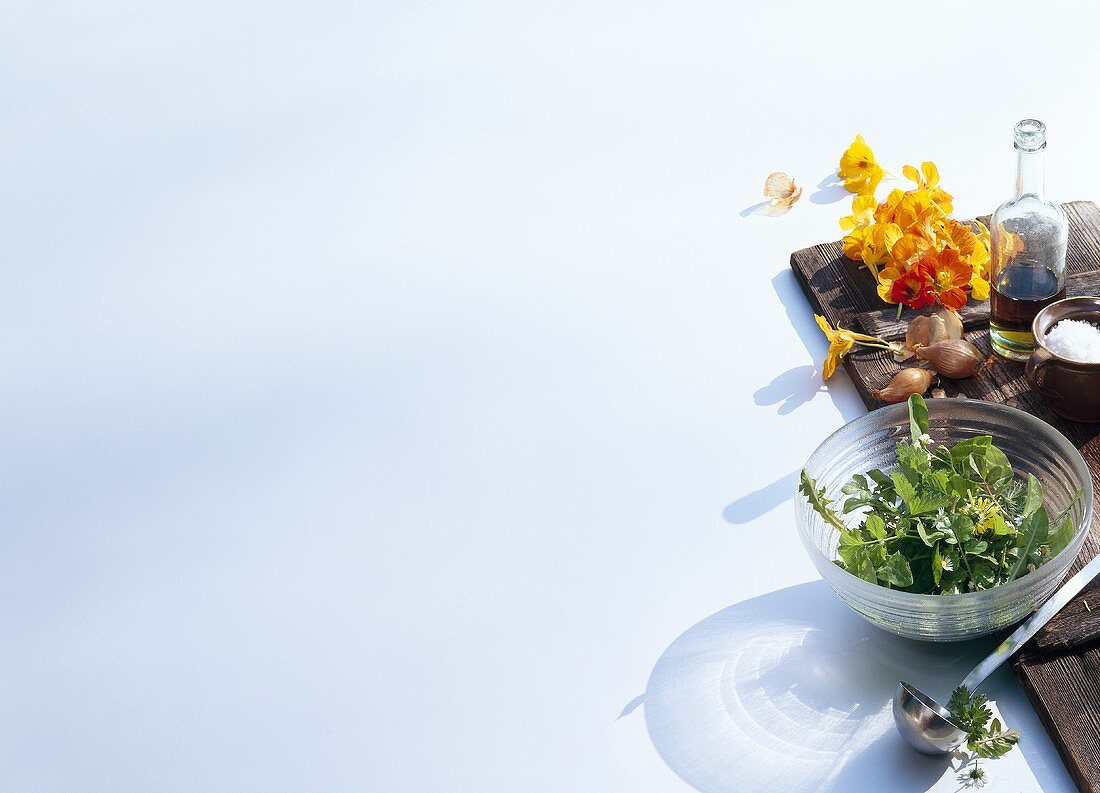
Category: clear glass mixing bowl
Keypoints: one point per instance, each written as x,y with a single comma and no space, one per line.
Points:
1032,446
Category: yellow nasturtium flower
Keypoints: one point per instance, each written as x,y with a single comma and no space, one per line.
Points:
878,241
857,224
841,342
928,179
887,210
886,280
859,169
916,208
979,285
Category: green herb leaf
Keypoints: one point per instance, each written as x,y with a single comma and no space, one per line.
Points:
817,500
1034,498
918,417
896,571
1033,532
903,487
876,526
1058,539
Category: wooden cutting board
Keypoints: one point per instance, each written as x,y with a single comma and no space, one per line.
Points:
1060,667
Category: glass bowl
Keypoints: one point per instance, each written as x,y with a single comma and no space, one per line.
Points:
1032,446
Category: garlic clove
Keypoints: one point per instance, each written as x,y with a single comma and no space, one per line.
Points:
937,329
918,331
781,190
952,322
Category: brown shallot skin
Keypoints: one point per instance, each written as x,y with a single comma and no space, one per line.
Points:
904,384
953,358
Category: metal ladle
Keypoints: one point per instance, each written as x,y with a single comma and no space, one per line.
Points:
926,725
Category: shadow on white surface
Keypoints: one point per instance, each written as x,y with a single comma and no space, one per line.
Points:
830,190
791,691
764,209
760,502
802,382
791,389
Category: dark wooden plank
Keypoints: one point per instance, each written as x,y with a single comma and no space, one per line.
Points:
1076,625
1060,668
1065,690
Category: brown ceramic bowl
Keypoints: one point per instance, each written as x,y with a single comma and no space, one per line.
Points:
1071,388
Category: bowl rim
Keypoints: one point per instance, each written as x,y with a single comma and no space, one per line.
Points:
1049,432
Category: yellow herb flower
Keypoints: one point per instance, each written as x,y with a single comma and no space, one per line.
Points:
859,169
972,246
987,511
841,342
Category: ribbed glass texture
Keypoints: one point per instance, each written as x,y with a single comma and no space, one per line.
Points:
1032,446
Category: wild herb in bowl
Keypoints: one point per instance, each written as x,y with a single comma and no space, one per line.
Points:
946,520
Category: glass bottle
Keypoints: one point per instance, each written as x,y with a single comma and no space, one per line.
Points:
1028,250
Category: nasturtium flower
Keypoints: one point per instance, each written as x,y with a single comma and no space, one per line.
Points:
887,210
917,212
859,169
928,179
949,276
979,285
878,240
914,287
863,213
918,254
856,224
886,280
842,342
909,248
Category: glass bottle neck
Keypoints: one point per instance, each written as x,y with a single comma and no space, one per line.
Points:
1029,173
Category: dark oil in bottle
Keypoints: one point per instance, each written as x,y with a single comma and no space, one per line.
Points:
1017,296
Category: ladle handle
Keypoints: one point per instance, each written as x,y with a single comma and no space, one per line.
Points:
1029,628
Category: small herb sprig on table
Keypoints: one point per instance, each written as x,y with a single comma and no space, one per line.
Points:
945,521
986,740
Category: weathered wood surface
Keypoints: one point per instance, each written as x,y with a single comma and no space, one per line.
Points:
1060,668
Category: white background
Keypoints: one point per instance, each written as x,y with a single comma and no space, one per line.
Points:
387,387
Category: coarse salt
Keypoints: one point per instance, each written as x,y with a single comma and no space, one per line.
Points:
1074,339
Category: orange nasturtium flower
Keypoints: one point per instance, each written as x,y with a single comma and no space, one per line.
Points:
859,169
950,275
841,342
913,288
